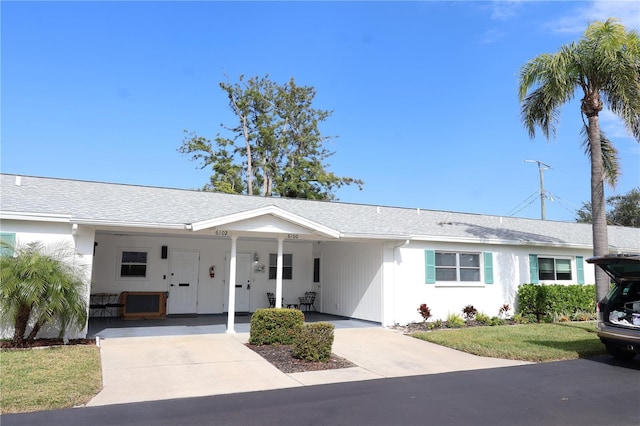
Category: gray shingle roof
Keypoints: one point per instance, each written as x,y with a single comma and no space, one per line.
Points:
117,203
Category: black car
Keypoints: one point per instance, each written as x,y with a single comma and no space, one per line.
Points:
619,311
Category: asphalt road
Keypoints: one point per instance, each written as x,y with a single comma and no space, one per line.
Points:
599,391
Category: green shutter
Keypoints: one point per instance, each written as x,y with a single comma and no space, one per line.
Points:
533,269
7,243
429,266
488,268
580,269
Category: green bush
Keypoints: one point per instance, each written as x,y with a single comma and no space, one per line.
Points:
314,342
455,321
435,324
496,321
548,301
275,326
483,318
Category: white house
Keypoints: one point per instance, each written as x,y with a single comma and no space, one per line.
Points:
211,251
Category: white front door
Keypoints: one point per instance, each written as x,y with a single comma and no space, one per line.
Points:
243,281
183,284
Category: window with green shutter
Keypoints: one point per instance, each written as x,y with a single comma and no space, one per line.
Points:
533,269
580,269
7,243
547,268
488,268
430,266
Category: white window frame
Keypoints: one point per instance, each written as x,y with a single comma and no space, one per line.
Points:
120,263
458,267
555,278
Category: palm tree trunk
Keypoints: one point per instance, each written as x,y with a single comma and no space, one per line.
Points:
598,212
20,324
34,332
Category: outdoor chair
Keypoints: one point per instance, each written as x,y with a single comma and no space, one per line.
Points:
307,301
272,300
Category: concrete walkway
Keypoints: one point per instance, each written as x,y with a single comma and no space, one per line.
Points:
137,369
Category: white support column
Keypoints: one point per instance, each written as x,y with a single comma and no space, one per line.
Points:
279,273
232,286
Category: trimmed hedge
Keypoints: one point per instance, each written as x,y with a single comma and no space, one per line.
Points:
314,342
275,326
548,301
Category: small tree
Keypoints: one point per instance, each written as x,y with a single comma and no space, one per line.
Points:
39,287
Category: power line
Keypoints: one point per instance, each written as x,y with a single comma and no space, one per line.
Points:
525,203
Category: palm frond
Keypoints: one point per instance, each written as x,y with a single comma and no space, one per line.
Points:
610,159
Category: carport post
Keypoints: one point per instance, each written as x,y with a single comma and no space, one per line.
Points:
232,287
279,273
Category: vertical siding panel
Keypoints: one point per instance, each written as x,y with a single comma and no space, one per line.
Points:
352,279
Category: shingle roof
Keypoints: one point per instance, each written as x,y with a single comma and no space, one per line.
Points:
127,204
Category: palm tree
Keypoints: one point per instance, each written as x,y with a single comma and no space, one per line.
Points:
605,65
38,288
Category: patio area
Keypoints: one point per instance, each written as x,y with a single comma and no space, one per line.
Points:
181,325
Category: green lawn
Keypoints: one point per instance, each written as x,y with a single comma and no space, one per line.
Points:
49,378
530,342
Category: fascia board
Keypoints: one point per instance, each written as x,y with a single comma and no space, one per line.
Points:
495,241
150,225
269,210
375,237
38,217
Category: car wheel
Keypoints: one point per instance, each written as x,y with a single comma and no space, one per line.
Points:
618,353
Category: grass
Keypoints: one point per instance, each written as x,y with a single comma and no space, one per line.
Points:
49,378
530,342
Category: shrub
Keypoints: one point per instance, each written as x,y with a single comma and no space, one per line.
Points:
483,318
496,321
584,316
424,311
547,301
314,342
435,324
275,326
454,321
520,319
469,312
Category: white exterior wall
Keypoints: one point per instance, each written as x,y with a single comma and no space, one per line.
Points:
54,235
510,269
351,279
212,292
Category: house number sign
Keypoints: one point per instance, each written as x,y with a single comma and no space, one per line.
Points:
220,233
293,236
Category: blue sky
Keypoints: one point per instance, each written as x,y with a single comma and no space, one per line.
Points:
424,94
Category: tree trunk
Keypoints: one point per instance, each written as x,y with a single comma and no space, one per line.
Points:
598,211
20,324
245,131
34,332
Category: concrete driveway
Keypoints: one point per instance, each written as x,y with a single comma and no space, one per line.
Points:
137,369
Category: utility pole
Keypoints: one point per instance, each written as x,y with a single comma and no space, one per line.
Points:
541,168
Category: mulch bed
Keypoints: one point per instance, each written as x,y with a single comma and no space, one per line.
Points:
415,327
41,343
281,356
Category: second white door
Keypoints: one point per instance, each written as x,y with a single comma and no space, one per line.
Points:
243,281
